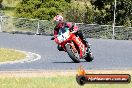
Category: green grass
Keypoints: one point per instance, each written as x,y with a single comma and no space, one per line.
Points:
10,55
52,82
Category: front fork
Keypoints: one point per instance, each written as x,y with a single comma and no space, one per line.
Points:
82,48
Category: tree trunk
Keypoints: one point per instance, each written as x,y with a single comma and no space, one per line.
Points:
1,6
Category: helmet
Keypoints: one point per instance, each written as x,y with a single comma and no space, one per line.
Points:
58,18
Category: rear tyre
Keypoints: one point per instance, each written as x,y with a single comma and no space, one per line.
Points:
89,57
73,55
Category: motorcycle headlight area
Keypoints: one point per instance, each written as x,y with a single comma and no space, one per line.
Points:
63,37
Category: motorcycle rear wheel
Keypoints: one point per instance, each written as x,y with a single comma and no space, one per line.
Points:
89,57
73,55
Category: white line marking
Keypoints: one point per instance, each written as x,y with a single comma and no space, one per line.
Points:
30,57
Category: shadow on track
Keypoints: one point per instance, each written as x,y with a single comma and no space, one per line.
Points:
67,62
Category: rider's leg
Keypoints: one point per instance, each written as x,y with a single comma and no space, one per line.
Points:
82,37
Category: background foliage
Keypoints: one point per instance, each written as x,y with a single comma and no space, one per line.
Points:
44,10
90,12
0,3
106,9
86,11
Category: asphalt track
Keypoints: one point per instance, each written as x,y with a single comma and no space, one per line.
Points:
109,54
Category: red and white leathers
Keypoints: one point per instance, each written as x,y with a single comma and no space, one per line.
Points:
62,24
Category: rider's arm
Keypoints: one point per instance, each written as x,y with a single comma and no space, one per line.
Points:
72,27
56,29
55,32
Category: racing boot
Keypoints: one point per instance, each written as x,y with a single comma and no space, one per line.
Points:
60,48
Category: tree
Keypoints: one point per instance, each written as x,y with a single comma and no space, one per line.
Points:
106,8
75,13
69,1
79,12
36,9
1,3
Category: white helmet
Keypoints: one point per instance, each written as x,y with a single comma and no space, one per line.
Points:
58,18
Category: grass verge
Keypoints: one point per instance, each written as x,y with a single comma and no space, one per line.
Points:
63,80
10,55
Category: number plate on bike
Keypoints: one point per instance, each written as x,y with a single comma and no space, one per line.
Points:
63,35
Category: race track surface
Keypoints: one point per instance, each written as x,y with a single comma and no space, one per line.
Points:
109,54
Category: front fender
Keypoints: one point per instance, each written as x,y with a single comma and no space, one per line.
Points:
75,48
80,45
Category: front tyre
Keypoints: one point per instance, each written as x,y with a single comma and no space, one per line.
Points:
60,48
74,55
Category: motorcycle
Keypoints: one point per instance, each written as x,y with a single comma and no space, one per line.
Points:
73,45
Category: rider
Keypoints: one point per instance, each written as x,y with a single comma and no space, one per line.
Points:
60,23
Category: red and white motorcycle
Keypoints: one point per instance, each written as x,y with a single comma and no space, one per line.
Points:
73,45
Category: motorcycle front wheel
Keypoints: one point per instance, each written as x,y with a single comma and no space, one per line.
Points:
74,55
